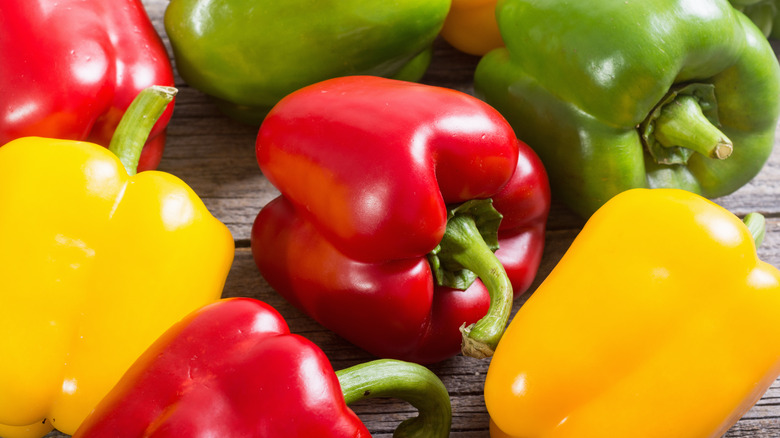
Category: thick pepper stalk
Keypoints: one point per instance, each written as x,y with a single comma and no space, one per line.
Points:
233,369
660,320
95,264
611,100
385,215
249,54
71,68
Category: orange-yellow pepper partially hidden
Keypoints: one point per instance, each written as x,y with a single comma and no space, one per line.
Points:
471,26
659,321
94,265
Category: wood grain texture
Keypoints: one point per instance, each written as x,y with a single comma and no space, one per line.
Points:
215,156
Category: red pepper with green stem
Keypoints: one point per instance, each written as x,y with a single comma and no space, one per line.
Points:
71,68
361,238
233,369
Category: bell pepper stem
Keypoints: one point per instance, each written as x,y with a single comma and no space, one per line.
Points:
756,224
682,123
467,247
136,124
406,381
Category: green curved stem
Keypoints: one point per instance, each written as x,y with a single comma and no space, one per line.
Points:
756,223
466,247
407,381
683,124
136,124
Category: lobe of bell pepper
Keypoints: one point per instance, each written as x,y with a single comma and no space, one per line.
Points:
71,68
660,320
367,167
233,369
580,81
95,264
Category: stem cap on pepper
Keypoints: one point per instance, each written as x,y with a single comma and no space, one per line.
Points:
591,97
363,204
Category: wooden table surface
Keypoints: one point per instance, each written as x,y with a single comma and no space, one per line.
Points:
215,156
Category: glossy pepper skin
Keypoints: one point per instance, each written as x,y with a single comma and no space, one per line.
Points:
95,265
765,14
233,369
471,26
248,54
366,168
70,69
660,320
610,100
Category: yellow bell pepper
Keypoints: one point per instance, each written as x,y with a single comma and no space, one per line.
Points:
659,321
94,265
471,26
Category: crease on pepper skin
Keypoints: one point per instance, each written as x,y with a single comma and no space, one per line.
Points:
95,264
232,368
577,94
71,68
367,168
676,335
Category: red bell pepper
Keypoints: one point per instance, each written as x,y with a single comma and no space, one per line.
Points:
367,168
70,69
232,369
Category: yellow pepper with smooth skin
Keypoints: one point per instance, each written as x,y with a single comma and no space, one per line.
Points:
471,26
659,321
94,265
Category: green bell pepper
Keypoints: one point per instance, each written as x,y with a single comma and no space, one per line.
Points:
763,13
620,94
248,54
